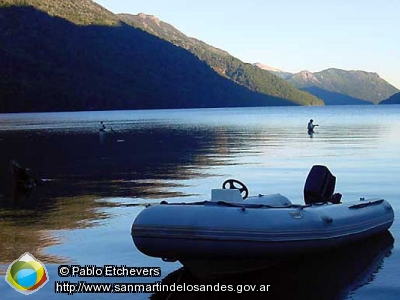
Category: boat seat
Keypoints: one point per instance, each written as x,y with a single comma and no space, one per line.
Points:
320,185
272,200
228,195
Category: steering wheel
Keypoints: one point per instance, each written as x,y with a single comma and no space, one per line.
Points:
242,188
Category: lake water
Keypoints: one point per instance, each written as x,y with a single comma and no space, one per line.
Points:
97,183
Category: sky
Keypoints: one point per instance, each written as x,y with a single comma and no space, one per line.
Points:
290,35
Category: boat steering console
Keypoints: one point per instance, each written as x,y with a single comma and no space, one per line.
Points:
242,188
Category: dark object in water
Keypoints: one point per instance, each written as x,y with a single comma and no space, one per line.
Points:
23,183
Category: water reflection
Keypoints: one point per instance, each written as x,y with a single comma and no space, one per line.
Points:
329,275
117,163
22,229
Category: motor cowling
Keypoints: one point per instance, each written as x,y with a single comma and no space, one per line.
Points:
320,185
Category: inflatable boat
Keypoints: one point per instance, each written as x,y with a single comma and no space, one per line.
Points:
232,232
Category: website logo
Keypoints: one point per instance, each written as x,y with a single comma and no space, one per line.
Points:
27,274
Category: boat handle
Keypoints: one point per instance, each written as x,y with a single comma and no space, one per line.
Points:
366,204
327,219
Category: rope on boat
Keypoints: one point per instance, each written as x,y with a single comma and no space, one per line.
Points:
244,205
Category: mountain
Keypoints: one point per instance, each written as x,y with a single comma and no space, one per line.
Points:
394,99
339,87
222,62
265,67
64,55
78,56
359,85
275,71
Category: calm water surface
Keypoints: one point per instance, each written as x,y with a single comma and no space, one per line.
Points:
96,184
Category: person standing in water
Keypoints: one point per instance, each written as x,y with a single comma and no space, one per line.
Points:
311,126
102,126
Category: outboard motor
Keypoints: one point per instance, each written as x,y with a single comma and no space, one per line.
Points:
320,185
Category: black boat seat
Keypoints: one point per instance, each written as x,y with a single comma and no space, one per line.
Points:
320,185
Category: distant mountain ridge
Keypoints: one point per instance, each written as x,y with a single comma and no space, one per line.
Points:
337,86
361,85
277,72
222,62
268,68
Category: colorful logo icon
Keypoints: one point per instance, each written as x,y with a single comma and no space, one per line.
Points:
27,275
